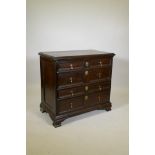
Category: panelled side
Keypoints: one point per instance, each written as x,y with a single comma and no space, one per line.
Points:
48,85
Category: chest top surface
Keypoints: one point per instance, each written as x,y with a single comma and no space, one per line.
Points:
73,53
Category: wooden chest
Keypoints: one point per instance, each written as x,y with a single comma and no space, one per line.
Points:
74,82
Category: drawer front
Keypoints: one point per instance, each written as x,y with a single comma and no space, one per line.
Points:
89,75
97,87
87,100
97,74
70,92
67,65
81,90
99,62
70,104
69,78
97,98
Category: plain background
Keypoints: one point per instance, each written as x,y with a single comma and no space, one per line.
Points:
54,25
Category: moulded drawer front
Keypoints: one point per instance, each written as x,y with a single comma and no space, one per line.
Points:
90,99
104,96
101,61
70,92
70,104
69,78
97,86
97,74
69,64
96,98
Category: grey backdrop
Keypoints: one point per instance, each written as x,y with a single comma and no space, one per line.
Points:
84,24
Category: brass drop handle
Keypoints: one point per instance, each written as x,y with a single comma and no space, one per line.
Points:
71,66
72,93
71,79
86,98
86,72
71,105
86,63
100,88
86,88
100,62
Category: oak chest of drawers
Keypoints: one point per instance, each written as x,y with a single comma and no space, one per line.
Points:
75,82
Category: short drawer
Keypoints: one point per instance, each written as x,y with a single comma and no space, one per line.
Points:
70,92
97,98
67,105
98,62
69,78
101,61
97,87
97,74
69,65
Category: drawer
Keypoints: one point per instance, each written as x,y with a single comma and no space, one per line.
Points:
98,62
69,78
70,104
67,105
80,90
101,61
67,65
97,74
97,98
70,92
97,87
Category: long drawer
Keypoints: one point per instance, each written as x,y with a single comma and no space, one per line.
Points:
83,76
76,63
87,100
81,90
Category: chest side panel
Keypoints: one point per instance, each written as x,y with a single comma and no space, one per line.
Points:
48,80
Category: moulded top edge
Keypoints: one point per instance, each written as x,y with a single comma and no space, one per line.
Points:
73,53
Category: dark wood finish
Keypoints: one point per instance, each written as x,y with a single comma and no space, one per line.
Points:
69,78
75,82
70,104
70,92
